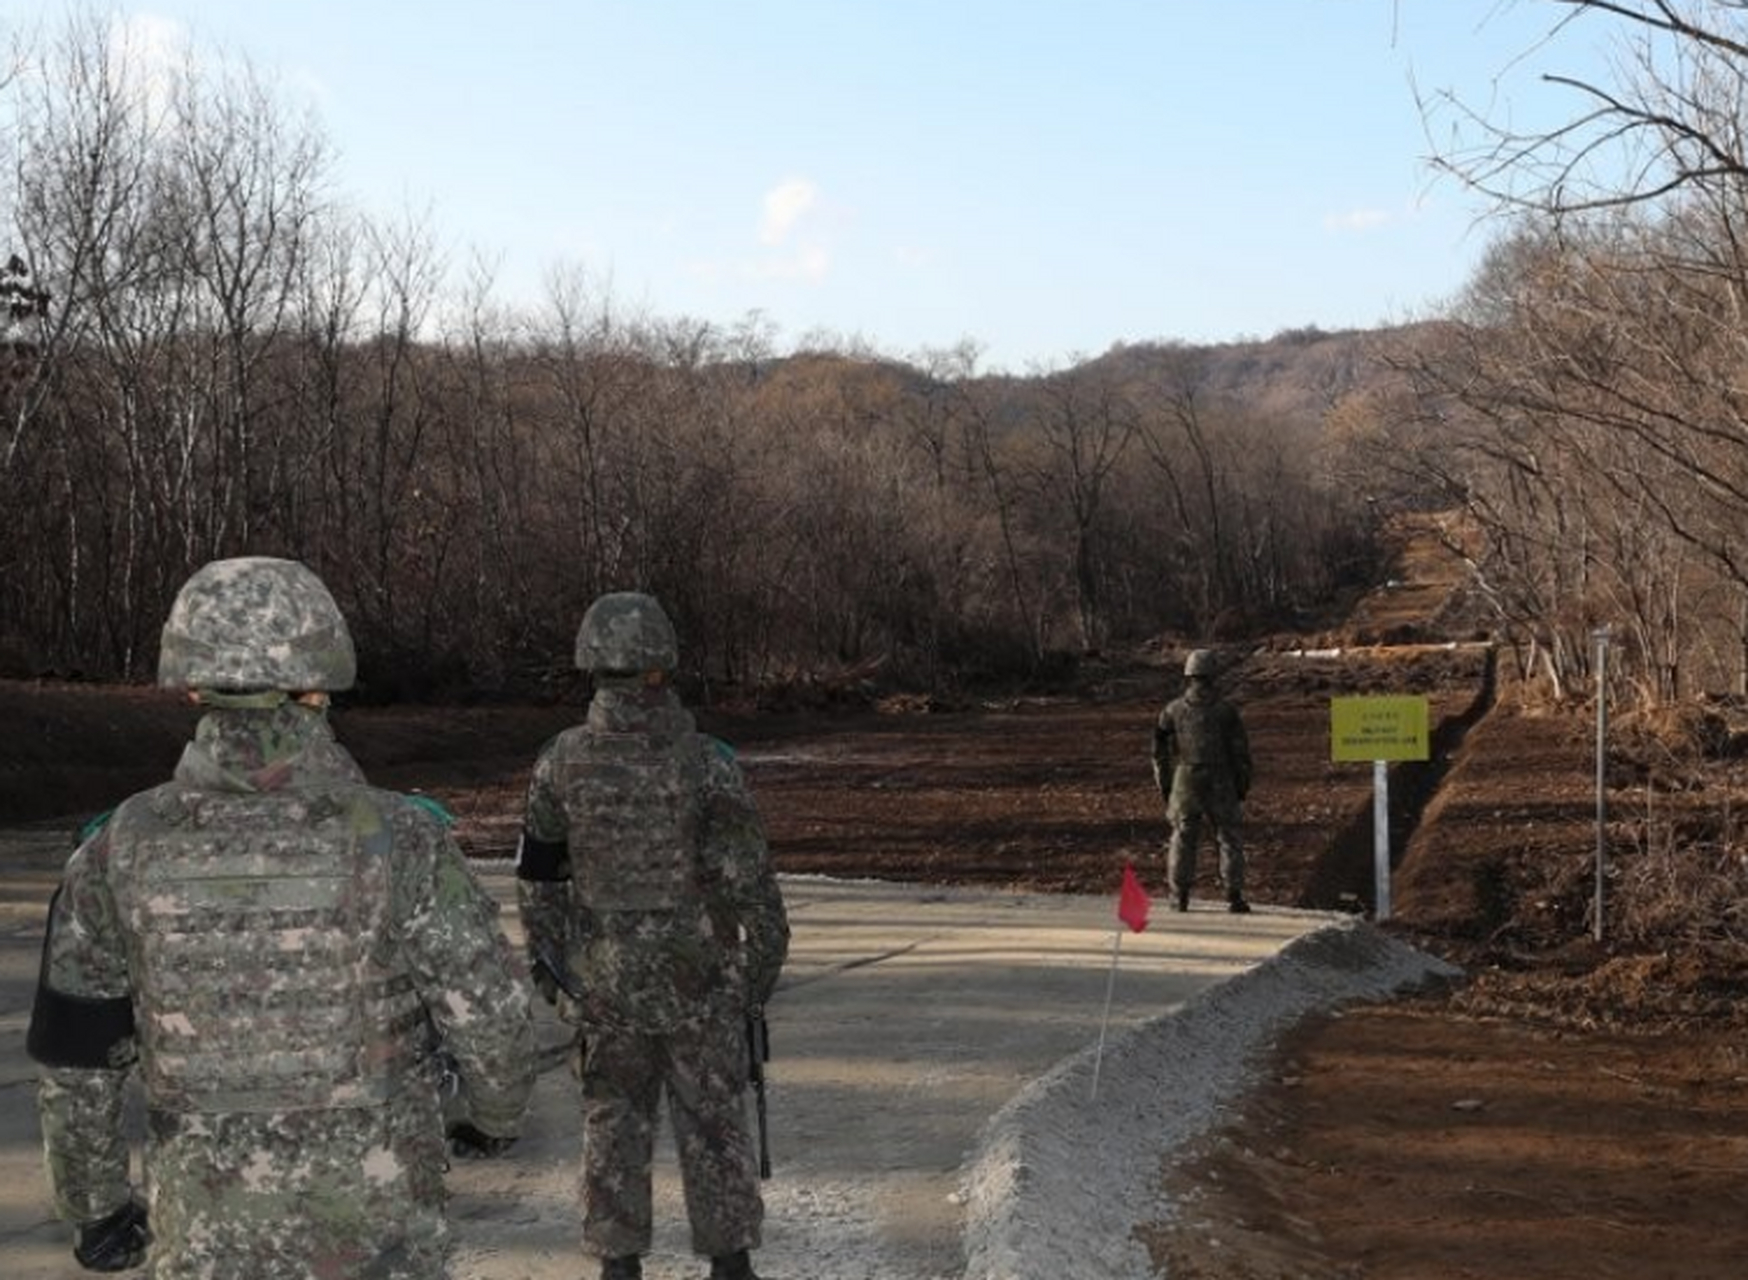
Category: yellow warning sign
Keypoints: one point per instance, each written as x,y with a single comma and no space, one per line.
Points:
1378,728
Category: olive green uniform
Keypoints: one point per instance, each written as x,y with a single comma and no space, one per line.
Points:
1202,764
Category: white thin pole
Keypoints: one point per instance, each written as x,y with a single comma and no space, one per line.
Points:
1381,837
1110,986
1601,771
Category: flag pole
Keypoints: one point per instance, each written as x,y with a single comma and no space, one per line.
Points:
1132,904
1104,1021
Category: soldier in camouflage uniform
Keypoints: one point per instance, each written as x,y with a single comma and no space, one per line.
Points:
1201,763
643,870
294,964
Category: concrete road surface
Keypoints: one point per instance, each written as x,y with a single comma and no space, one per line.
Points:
907,1018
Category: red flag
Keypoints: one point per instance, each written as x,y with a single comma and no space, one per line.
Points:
1132,902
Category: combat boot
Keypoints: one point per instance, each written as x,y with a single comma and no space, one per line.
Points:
1236,904
732,1266
627,1266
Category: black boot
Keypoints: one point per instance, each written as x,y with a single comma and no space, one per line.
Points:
1182,902
1236,904
732,1266
627,1266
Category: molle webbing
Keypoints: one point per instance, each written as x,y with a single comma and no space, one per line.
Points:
262,926
633,809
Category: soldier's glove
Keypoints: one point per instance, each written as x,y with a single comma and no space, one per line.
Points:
113,1243
470,1143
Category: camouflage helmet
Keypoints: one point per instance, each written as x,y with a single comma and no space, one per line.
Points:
1201,664
255,623
626,631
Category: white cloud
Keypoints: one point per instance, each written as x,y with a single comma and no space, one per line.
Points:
791,256
813,262
159,40
810,263
785,205
154,52
1357,221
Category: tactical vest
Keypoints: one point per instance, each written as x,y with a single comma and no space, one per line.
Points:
632,800
1199,738
266,979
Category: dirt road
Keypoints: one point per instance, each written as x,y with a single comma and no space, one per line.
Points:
907,1017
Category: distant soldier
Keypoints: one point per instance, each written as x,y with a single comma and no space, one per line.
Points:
294,962
1201,762
643,867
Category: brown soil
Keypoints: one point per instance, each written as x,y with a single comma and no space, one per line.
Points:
1571,1108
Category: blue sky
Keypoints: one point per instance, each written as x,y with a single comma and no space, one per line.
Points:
1045,179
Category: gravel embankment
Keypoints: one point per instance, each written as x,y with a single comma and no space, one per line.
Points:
1061,1177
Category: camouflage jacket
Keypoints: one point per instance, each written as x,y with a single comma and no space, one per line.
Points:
645,867
1201,730
268,1167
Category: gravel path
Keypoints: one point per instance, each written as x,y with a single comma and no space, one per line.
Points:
932,1115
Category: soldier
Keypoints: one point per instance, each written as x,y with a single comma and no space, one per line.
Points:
1201,763
290,959
643,867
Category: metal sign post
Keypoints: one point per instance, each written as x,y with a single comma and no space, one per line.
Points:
1379,729
1381,838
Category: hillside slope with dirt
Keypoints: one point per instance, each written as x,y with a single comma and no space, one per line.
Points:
1578,1105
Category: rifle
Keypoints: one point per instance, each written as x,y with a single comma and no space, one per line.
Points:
544,961
547,963
758,1054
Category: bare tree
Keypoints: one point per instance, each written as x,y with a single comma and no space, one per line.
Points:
246,187
1086,425
1605,424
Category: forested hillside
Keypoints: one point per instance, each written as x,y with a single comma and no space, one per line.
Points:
207,353
803,515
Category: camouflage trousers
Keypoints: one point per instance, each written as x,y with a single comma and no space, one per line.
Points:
1198,795
703,1073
